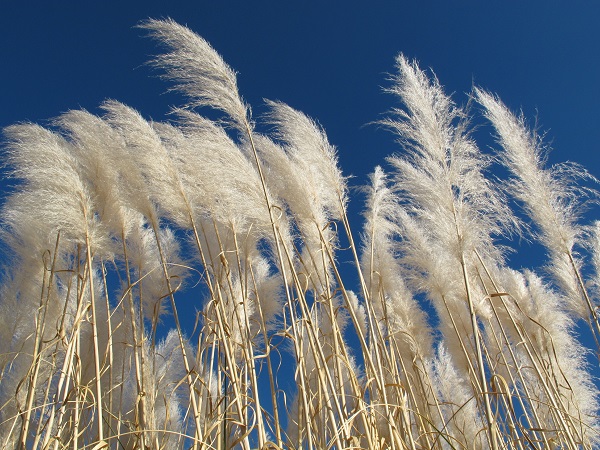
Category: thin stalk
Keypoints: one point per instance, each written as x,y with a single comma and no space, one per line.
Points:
556,409
109,345
71,369
376,333
282,261
230,355
46,405
97,362
36,360
473,378
532,425
530,349
248,349
501,395
187,367
77,350
317,352
140,418
268,348
81,279
380,380
488,409
222,333
323,373
411,388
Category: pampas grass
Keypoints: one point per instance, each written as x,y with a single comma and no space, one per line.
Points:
184,284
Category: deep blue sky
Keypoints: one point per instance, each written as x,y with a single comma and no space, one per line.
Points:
328,59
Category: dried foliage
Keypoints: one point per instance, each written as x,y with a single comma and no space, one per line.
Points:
180,285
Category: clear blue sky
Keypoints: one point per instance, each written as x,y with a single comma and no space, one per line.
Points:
328,59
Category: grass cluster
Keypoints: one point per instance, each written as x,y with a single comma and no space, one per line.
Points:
441,345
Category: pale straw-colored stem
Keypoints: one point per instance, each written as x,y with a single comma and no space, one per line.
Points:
137,347
97,362
37,352
493,438
186,363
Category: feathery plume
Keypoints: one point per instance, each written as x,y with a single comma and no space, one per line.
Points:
549,196
394,303
55,196
103,162
198,70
